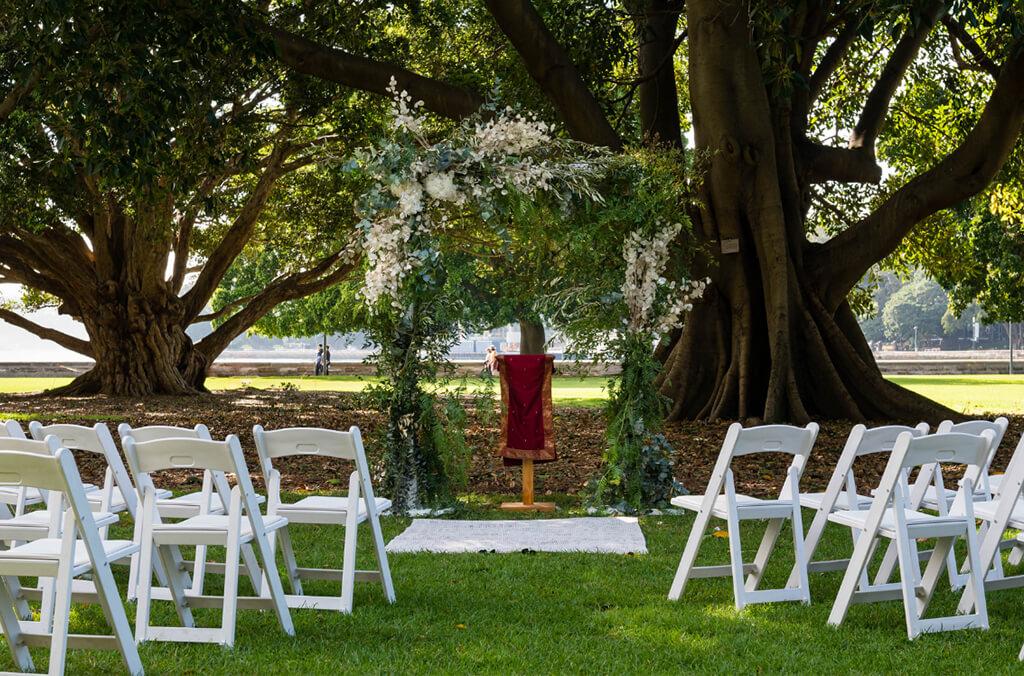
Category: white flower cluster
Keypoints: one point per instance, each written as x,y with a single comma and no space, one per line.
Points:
441,186
388,262
646,257
510,134
404,113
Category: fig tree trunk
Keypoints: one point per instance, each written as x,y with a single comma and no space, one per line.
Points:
140,347
531,337
763,345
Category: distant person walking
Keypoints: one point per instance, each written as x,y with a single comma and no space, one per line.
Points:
327,360
491,361
320,360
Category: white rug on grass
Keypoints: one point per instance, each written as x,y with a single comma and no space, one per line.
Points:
598,535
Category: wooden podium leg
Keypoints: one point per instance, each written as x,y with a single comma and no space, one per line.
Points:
528,505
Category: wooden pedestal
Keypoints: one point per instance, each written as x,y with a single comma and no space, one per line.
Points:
528,505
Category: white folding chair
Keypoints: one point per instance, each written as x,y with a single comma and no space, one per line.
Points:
929,492
842,492
20,497
1003,512
117,493
241,524
188,505
73,548
734,508
358,506
890,517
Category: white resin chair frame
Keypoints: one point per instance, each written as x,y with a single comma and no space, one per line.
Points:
117,494
890,517
21,497
1005,511
203,501
358,506
160,540
842,491
929,492
734,508
60,556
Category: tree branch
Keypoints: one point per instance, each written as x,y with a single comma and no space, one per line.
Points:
958,34
64,340
821,163
236,237
327,272
328,63
833,56
840,262
554,72
13,97
659,99
872,117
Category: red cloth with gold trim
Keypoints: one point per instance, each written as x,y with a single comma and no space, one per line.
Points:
527,422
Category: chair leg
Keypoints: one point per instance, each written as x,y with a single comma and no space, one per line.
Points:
144,591
693,542
230,613
736,557
380,552
798,552
290,563
764,552
909,572
284,617
930,580
888,565
348,562
978,571
61,618
198,570
858,562
113,609
252,568
12,628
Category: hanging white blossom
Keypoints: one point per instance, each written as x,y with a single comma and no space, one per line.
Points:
653,304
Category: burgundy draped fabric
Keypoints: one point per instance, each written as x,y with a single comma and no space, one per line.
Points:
526,426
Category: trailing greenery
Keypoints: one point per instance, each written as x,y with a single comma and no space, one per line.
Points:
638,460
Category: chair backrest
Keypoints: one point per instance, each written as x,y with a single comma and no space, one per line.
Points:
306,441
862,441
930,452
11,430
951,447
76,437
45,471
47,446
152,432
740,441
182,453
96,439
872,440
998,429
797,441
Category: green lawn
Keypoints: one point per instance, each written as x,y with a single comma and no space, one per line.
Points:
969,394
585,613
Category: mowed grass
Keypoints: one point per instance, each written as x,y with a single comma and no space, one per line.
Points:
965,393
580,613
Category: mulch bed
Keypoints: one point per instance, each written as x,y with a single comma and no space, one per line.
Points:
580,440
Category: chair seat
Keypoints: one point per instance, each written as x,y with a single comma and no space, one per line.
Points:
40,520
187,506
919,524
995,481
931,497
987,511
327,509
208,529
747,507
815,500
47,550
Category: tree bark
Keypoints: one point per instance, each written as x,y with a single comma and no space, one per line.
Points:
140,346
762,346
531,337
